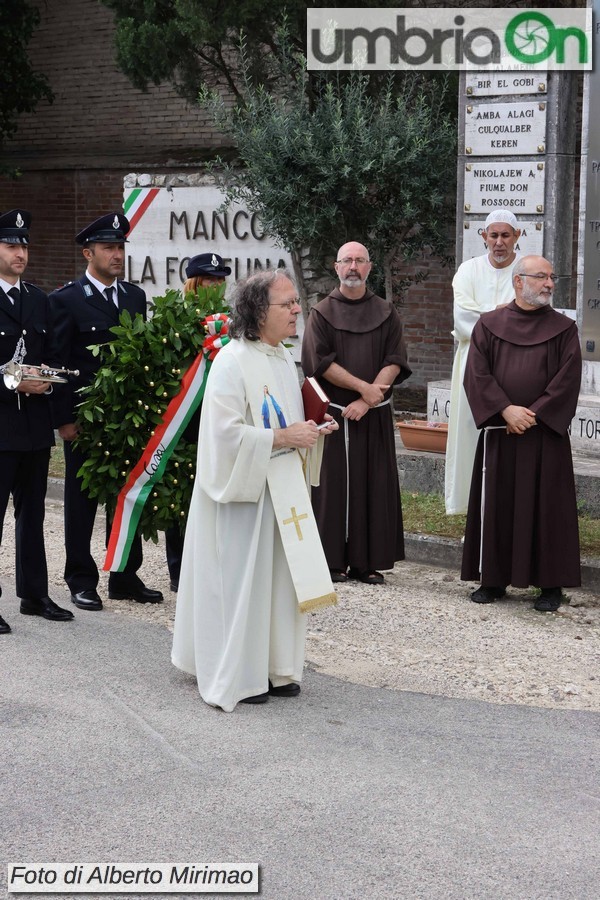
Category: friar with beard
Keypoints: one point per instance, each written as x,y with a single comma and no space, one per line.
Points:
353,345
522,381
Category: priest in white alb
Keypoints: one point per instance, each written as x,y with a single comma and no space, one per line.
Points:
253,564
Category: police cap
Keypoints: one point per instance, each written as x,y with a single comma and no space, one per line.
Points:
109,229
207,264
14,226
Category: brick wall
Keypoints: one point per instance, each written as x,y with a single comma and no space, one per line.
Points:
61,202
74,153
97,115
426,311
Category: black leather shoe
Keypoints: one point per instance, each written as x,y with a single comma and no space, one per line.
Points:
174,584
285,690
89,599
487,594
338,576
138,592
47,609
4,626
257,698
549,600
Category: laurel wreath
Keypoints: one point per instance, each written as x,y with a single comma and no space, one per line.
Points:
140,371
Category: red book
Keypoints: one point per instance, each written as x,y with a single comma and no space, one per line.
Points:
316,401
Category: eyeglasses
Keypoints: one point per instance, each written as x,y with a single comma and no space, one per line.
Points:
348,260
553,278
289,304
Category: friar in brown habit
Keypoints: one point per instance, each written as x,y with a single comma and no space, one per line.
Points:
353,345
522,382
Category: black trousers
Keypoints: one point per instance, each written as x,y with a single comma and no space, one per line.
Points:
81,571
25,475
174,551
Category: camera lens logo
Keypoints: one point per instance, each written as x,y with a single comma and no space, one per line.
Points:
531,37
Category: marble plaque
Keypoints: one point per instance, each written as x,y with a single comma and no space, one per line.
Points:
515,185
501,129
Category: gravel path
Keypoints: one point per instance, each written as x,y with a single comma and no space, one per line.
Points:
418,632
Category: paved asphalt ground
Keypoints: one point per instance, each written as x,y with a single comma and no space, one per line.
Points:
109,755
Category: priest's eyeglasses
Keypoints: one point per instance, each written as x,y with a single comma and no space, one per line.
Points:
289,304
553,278
348,260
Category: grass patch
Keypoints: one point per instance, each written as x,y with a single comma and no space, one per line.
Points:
57,460
589,535
423,513
426,514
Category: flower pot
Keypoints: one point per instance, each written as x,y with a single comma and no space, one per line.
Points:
430,436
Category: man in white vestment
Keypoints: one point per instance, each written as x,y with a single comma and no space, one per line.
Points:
480,285
253,564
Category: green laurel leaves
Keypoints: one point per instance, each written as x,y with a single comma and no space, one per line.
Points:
140,372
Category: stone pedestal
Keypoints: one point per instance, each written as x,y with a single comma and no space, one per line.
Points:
585,427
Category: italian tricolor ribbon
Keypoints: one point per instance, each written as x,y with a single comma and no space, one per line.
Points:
152,463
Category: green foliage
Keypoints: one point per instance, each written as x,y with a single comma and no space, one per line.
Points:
323,157
140,372
194,43
345,160
22,87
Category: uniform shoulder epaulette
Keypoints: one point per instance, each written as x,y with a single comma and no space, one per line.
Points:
30,286
126,285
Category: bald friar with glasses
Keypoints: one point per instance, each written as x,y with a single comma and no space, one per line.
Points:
522,382
353,345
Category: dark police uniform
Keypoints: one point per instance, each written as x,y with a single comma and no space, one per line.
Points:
83,316
26,433
26,436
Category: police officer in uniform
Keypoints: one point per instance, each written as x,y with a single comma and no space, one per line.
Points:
26,433
83,312
203,270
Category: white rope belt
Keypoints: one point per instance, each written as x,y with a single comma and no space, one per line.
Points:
483,471
347,449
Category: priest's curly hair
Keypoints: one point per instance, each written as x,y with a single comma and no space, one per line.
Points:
250,303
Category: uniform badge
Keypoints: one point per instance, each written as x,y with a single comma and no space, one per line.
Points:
116,223
87,290
19,223
214,262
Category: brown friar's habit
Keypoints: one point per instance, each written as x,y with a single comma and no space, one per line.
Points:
530,531
357,506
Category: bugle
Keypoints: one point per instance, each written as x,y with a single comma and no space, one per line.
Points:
14,373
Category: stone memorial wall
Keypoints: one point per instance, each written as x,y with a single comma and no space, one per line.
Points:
516,152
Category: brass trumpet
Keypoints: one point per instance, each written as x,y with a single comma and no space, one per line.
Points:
14,373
